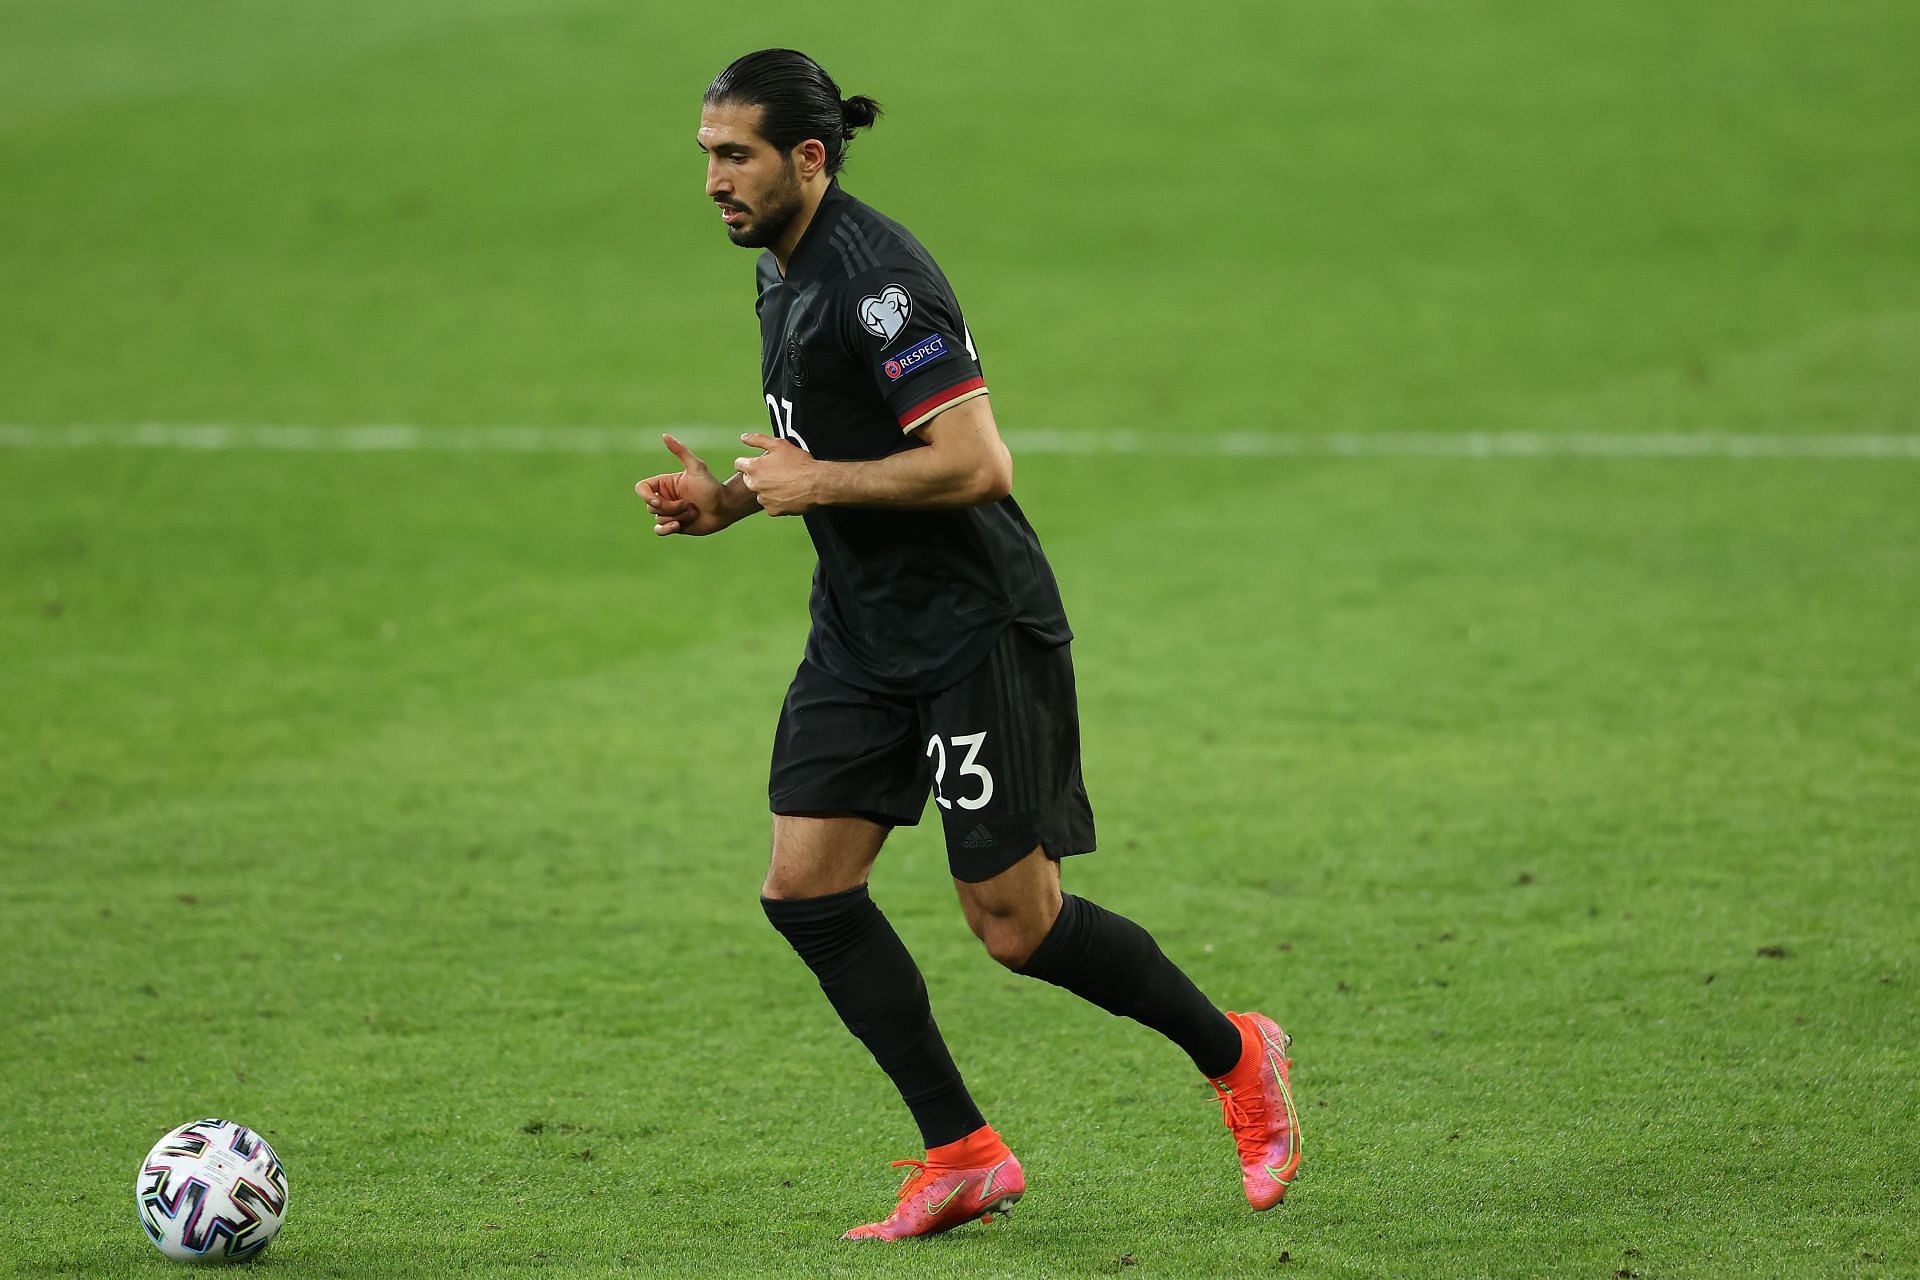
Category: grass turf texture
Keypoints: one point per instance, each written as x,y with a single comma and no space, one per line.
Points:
408,807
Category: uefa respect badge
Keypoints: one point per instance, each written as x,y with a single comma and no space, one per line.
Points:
924,352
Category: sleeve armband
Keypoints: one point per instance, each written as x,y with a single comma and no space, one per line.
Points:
920,414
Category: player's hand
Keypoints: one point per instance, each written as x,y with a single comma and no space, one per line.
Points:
689,500
781,478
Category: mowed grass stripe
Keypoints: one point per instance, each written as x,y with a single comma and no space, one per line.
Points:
404,438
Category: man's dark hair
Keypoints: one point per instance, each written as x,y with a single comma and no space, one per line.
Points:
797,100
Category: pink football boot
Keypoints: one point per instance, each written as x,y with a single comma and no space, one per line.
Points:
1257,1105
975,1177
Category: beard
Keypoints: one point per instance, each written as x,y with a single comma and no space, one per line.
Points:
777,210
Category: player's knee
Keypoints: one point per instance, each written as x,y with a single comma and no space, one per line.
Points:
801,880
1011,926
780,887
1008,939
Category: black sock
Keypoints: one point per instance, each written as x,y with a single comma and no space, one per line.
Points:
877,990
1114,963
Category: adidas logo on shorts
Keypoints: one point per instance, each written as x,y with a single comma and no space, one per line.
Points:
979,838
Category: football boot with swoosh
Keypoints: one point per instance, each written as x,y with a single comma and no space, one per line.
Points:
975,1177
1257,1106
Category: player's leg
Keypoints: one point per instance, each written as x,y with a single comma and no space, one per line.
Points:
1016,806
816,896
1007,769
1031,927
844,773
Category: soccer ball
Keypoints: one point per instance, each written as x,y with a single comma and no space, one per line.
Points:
211,1191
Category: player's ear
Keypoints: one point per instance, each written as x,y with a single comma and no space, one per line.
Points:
811,157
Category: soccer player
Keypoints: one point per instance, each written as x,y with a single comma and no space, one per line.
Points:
938,657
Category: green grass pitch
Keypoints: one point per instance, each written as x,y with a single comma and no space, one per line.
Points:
409,805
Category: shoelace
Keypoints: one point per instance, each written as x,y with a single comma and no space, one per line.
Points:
1248,1120
914,1181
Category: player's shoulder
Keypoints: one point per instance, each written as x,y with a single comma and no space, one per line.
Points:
866,242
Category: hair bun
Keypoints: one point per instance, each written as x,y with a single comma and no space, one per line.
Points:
859,111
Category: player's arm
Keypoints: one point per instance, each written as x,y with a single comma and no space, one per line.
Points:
963,463
692,500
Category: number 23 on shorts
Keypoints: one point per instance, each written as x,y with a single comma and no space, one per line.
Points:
969,768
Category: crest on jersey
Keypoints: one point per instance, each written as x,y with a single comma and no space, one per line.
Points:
884,314
796,363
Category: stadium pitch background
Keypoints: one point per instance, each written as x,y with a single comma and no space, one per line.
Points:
1478,445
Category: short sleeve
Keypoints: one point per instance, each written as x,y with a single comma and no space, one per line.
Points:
903,324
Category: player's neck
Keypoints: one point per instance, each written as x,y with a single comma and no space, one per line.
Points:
783,248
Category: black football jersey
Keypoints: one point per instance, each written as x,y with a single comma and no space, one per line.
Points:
861,344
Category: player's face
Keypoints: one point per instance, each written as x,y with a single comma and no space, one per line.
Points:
756,187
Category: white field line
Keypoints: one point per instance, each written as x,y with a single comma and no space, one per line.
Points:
402,438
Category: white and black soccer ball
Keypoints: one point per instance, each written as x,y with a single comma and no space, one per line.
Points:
211,1191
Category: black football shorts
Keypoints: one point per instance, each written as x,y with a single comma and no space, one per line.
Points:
1000,751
